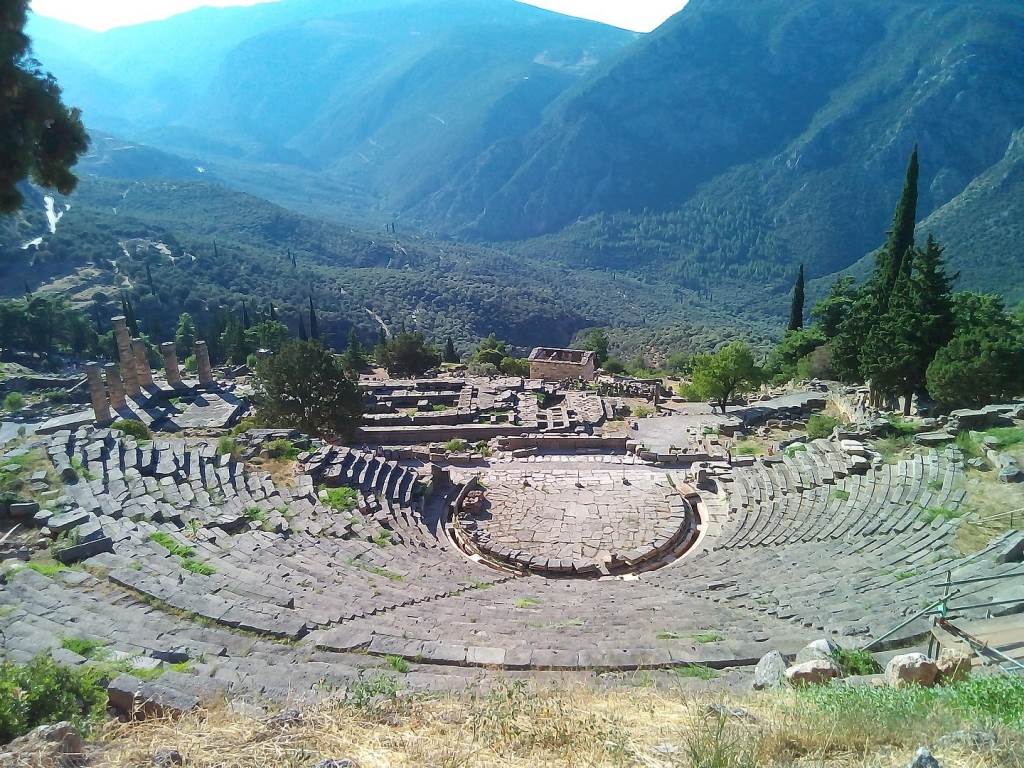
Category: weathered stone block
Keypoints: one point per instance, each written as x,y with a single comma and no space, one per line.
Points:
910,669
814,672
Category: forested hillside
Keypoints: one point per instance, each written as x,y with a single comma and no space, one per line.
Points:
174,246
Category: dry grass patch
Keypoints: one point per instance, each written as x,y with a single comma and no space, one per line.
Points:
521,726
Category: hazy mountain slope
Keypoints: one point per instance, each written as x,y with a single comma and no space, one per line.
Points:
388,94
744,137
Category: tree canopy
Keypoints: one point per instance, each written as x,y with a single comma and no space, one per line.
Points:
304,386
407,353
730,371
41,138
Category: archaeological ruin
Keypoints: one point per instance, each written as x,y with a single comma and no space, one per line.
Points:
481,529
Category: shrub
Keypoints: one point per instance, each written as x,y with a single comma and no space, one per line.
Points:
821,425
855,662
614,366
342,499
282,449
194,566
134,428
689,393
899,426
456,446
228,446
41,692
14,402
643,411
515,366
398,664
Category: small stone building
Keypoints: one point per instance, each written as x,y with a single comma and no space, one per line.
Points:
557,364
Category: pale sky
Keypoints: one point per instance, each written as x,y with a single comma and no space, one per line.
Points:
639,15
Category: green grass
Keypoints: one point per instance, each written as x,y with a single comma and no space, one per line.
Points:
750,447
282,449
821,425
376,570
83,646
899,426
929,514
840,494
794,449
708,637
643,411
891,447
527,602
854,661
171,544
194,566
133,427
694,671
970,447
14,401
365,691
669,636
341,499
456,446
482,585
438,408
257,515
934,485
383,537
904,575
397,663
986,700
228,446
79,467
1007,436
183,552
47,569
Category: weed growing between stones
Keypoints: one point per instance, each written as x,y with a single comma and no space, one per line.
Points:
708,637
397,663
695,671
341,499
527,602
133,427
854,661
821,425
184,553
228,446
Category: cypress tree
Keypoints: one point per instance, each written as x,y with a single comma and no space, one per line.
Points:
382,338
216,253
897,254
149,279
302,329
245,316
796,309
273,312
450,355
314,324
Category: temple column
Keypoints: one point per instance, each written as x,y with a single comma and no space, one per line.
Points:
97,393
142,370
203,364
115,386
125,355
170,352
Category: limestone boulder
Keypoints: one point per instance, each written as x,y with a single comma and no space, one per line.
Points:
924,759
48,745
953,666
813,672
819,649
770,671
910,669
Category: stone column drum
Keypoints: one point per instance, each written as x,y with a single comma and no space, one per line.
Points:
170,352
203,364
97,393
142,370
125,355
115,386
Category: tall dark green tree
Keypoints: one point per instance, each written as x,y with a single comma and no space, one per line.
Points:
898,249
450,355
796,308
40,138
303,336
314,324
354,359
903,343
